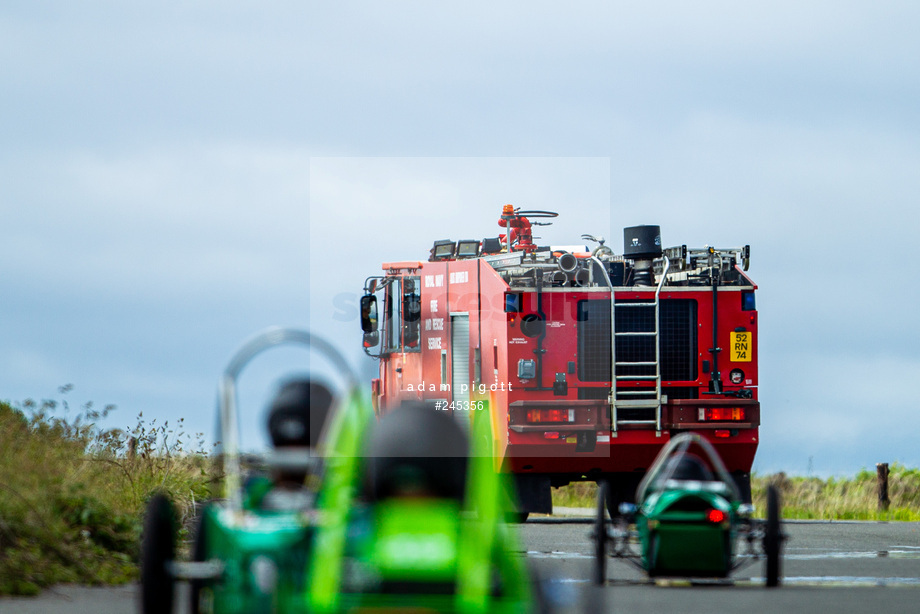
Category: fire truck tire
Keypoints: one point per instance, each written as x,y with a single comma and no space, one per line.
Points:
743,482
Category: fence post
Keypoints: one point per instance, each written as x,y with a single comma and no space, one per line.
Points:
883,501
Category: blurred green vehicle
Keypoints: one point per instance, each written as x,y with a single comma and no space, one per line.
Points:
689,520
415,528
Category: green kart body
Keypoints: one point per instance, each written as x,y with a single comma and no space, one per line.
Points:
677,536
689,520
262,556
416,554
250,553
337,551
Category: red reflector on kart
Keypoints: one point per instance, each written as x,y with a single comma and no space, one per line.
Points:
550,415
715,516
721,414
722,433
551,435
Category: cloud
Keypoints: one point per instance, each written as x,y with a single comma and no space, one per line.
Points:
176,178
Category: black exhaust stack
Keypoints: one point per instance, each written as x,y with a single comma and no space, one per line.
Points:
642,244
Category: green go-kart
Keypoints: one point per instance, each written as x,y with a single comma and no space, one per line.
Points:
413,528
689,520
248,555
415,523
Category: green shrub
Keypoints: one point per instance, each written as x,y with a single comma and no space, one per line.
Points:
72,494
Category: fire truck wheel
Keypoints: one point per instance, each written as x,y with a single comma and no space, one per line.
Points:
743,482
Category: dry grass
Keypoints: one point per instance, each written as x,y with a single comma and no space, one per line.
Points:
809,497
844,498
576,494
72,495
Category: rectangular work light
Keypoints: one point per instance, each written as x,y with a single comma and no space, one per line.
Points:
443,250
468,248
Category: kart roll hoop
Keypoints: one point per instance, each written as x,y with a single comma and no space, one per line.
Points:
228,403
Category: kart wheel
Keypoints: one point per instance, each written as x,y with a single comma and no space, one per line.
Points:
611,500
199,554
773,537
158,548
600,536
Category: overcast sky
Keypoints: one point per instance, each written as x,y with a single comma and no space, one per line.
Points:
174,179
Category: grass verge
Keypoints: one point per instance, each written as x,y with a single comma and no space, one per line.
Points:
811,498
72,494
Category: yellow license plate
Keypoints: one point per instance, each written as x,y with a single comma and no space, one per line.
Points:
741,346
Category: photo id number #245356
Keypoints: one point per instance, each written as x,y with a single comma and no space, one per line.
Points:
459,405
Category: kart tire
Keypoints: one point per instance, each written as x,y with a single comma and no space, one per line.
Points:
199,554
600,536
158,548
612,501
773,538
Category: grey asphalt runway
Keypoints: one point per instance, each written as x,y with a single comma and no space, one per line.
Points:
829,566
833,567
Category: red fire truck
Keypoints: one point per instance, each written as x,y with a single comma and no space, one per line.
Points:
585,362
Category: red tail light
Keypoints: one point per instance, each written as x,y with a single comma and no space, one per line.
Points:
715,516
550,415
722,414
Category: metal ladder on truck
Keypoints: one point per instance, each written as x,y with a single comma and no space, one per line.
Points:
651,397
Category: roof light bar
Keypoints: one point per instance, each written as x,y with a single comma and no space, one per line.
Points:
443,250
467,248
